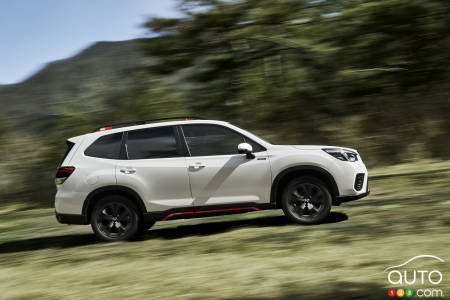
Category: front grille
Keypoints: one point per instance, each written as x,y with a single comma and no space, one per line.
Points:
359,181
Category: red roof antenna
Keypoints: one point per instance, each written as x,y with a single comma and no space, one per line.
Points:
103,129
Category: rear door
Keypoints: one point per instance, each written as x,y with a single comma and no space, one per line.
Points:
218,174
155,168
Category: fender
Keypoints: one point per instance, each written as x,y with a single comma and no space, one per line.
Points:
304,169
113,189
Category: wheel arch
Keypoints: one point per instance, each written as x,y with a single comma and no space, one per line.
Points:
101,192
290,173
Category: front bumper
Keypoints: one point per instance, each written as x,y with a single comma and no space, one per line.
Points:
353,182
341,199
351,179
347,198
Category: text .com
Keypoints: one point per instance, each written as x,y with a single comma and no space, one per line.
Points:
418,293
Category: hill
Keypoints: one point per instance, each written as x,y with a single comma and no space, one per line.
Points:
103,71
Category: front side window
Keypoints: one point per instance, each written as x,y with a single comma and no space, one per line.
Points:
156,142
107,146
205,140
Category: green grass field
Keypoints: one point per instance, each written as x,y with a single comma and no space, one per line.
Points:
249,256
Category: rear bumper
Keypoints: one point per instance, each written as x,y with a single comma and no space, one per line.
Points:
71,219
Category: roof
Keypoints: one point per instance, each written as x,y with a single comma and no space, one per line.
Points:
148,125
140,122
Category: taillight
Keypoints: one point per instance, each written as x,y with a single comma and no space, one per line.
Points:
62,174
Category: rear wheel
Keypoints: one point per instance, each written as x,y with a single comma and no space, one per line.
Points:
306,200
115,218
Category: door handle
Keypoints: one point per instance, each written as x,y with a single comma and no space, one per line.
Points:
197,166
128,170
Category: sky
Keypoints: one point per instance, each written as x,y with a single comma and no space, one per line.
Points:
35,32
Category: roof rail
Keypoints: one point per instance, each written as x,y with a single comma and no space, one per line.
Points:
124,124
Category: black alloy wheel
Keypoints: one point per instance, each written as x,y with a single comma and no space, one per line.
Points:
306,200
115,218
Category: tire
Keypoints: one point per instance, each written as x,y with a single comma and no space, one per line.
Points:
115,218
306,200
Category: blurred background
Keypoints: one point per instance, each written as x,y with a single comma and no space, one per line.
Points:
371,75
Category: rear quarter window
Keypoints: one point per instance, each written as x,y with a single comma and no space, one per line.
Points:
107,146
69,147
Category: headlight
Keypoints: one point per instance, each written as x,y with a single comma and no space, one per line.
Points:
342,154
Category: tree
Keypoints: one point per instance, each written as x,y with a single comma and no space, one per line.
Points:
303,63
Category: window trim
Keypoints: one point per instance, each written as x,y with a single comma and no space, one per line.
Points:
123,146
178,145
182,141
246,138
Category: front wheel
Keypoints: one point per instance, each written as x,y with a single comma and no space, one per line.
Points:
115,218
306,200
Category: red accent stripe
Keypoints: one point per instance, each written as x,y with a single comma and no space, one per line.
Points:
207,211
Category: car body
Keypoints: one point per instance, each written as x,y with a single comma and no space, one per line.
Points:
194,168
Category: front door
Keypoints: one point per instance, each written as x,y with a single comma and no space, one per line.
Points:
218,174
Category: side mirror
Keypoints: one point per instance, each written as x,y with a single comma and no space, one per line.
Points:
246,148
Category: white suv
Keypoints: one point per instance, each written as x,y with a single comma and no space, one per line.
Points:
123,178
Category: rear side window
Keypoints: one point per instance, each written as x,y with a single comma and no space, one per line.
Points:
107,146
156,142
204,140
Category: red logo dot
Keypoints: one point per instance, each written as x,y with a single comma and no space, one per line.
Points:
392,292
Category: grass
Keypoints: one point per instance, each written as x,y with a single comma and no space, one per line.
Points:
249,256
